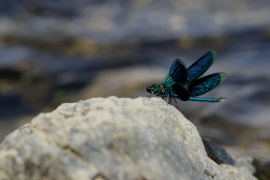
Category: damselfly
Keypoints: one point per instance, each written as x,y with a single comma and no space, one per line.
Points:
184,84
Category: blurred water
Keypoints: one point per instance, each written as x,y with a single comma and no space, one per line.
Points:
63,51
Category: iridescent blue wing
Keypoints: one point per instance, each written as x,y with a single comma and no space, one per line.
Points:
206,84
200,66
178,71
177,74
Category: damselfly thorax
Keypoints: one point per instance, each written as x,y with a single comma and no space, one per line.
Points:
163,88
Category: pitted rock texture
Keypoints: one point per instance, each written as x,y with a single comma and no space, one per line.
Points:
111,138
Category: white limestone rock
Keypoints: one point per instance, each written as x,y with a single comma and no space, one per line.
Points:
111,138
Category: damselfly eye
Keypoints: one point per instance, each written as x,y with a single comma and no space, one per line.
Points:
148,89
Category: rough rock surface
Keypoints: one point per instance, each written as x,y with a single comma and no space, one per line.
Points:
111,138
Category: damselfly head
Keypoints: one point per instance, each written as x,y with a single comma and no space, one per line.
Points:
151,88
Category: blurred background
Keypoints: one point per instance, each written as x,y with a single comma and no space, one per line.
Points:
58,51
